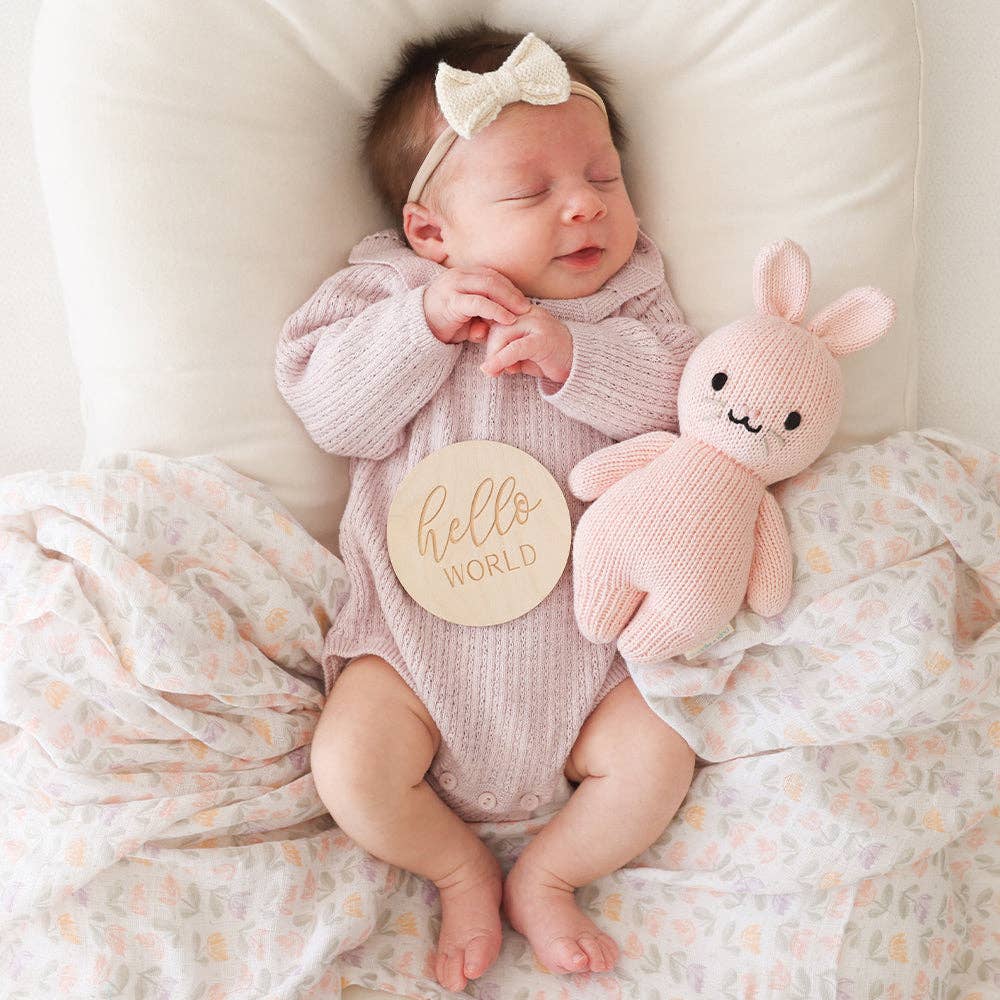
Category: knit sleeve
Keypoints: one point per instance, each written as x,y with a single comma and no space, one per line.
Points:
626,369
358,361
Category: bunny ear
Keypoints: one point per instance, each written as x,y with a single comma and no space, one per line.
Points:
781,279
855,320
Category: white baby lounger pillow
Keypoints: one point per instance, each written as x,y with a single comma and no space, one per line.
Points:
200,166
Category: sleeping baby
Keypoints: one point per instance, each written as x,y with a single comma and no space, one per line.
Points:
520,303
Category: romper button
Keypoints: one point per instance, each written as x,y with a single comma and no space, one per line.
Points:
447,780
529,802
488,800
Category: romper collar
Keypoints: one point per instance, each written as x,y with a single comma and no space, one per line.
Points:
642,272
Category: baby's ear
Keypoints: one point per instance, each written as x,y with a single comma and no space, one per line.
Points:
855,320
781,279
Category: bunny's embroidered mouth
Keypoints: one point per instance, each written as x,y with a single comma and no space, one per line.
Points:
746,423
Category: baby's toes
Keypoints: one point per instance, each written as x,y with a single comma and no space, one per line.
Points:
448,969
480,954
601,951
595,954
565,955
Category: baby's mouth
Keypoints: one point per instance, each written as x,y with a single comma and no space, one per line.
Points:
585,257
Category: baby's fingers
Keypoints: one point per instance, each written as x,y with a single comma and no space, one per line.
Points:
496,286
517,350
471,306
478,329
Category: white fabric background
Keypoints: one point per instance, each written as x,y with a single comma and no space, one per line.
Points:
40,423
958,273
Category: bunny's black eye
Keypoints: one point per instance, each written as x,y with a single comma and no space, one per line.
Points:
793,420
719,380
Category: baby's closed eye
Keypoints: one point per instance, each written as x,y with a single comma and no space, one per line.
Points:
537,192
524,197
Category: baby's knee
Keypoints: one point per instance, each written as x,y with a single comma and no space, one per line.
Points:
625,736
658,751
650,753
660,740
369,747
345,771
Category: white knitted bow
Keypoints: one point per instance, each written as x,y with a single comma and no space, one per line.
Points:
533,72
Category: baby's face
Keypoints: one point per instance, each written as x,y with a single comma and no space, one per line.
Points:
532,188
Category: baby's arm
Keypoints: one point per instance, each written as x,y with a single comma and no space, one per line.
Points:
356,371
626,369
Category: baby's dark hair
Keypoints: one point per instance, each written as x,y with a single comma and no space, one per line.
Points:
405,120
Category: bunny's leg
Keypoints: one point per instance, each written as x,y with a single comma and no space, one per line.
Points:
603,610
650,636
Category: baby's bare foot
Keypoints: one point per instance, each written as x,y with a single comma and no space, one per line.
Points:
542,907
469,941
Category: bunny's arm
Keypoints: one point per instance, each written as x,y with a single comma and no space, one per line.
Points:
770,585
592,475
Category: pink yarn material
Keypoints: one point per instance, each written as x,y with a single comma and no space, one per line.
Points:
682,528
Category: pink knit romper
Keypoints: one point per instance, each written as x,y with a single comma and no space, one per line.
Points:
368,379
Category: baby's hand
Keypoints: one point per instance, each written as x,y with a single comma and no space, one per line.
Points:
462,302
534,344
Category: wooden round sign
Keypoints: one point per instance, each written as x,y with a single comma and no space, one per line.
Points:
479,532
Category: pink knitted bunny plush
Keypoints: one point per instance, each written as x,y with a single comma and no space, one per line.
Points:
683,526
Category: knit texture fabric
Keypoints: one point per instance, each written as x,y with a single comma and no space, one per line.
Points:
680,530
683,529
368,379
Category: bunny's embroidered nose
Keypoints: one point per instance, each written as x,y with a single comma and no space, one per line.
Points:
745,421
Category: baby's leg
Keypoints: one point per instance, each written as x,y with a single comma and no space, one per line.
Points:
372,747
634,772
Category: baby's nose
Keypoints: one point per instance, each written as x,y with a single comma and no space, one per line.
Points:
586,204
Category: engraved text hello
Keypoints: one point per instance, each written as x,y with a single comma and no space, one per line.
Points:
509,506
